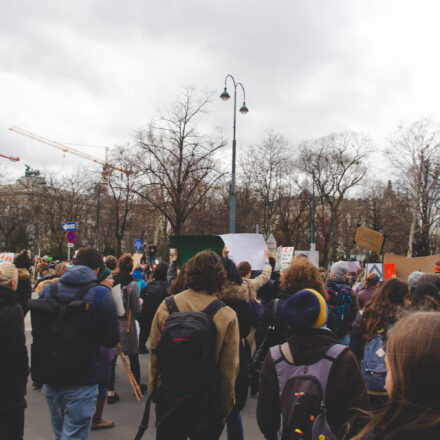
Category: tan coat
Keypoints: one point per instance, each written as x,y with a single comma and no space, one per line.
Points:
227,356
259,281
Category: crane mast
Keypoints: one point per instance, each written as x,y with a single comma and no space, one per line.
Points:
12,159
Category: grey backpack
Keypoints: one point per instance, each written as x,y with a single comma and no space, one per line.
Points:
303,394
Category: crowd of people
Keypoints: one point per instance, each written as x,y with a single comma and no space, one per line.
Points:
328,354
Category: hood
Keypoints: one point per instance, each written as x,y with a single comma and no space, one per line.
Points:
137,275
8,296
78,275
23,274
233,292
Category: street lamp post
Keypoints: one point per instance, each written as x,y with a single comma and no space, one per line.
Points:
243,109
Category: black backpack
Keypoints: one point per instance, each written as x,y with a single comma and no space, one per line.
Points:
61,349
186,363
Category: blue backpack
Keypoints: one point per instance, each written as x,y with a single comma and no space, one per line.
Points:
373,366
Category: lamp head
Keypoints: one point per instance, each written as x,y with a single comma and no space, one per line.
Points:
225,95
244,109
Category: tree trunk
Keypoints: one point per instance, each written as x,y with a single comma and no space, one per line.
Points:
412,231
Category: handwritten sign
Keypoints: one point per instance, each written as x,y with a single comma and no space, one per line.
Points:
285,257
6,257
369,239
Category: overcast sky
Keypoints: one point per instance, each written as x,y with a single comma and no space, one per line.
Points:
94,72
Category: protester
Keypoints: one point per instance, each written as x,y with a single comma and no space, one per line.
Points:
151,251
152,295
372,326
14,368
413,382
111,263
72,406
359,280
205,276
341,301
369,288
425,297
236,296
129,344
107,356
254,284
24,289
309,343
413,279
60,268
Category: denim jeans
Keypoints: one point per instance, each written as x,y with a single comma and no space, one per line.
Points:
234,426
71,410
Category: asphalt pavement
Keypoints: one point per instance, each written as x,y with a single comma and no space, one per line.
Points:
126,413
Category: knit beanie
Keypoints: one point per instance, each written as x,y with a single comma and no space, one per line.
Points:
413,278
305,309
104,274
339,269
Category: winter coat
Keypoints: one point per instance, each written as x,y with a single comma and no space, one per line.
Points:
24,289
259,281
172,272
227,353
345,388
335,288
153,294
129,344
41,286
102,322
236,298
14,364
365,295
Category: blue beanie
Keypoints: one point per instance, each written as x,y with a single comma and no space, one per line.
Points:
305,309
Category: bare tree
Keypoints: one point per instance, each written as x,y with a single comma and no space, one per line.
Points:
178,163
266,170
414,152
336,164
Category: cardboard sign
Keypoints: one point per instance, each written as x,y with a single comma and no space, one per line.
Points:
285,257
404,266
7,257
369,239
246,247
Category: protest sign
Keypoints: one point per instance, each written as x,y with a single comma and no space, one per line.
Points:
377,268
390,270
369,239
246,247
404,266
285,257
188,245
6,257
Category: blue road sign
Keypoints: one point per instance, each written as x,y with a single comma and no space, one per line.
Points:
138,245
69,226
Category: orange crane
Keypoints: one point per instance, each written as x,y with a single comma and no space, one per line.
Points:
70,150
12,159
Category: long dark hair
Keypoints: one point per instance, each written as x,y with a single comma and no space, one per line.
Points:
381,310
414,383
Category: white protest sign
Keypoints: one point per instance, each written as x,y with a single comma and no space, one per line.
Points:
246,247
376,268
312,256
6,257
285,257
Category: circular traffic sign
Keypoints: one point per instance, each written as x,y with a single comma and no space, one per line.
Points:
138,245
70,237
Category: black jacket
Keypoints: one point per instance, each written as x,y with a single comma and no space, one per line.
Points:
24,290
14,364
153,294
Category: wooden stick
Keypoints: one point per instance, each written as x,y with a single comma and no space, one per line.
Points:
134,385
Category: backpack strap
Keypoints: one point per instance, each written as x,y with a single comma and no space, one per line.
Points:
213,307
53,291
335,351
170,302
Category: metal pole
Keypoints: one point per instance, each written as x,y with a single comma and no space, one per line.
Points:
234,147
312,229
98,208
68,252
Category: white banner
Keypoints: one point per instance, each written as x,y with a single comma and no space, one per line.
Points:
246,247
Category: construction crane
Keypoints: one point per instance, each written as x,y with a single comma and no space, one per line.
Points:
12,159
70,150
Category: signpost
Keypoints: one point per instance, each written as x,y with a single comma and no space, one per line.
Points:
71,226
138,244
70,237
